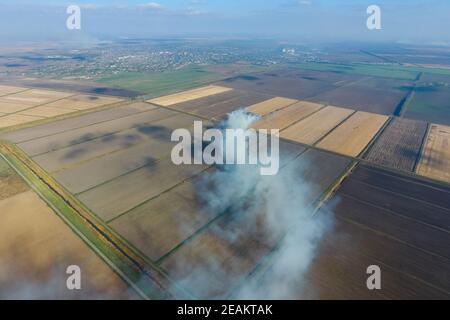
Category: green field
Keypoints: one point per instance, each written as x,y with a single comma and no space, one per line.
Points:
430,103
157,84
386,71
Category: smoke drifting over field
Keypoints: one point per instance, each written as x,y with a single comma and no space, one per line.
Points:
261,212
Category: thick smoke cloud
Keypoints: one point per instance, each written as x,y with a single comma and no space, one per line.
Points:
273,211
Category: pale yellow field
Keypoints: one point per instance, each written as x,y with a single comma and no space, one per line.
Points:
352,136
188,95
271,105
83,102
36,97
435,160
46,112
314,127
10,89
285,117
16,119
36,247
10,107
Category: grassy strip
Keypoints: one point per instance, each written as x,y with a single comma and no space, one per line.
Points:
157,84
375,70
147,281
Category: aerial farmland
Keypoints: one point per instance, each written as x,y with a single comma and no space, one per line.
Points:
363,180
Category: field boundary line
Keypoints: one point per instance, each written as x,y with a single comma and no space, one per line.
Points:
217,217
410,96
367,163
149,279
100,136
394,213
61,117
100,156
402,195
38,105
323,106
66,221
381,233
421,180
422,148
153,163
159,194
365,151
21,91
334,187
316,143
82,113
315,207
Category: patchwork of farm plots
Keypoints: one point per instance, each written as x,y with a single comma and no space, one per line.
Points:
117,163
19,106
188,95
396,143
391,220
430,100
435,160
36,247
359,91
399,145
213,106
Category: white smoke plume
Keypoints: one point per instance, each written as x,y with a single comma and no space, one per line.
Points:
272,210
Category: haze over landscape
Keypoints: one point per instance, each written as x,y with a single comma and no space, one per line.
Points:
357,109
407,21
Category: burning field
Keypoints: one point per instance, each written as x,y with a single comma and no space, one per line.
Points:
226,231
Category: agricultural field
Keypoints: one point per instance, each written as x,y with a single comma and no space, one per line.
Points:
399,145
82,134
31,105
37,247
116,162
265,107
10,182
189,95
361,69
284,83
11,120
119,167
83,102
4,90
135,187
159,225
217,106
285,117
238,256
366,97
353,135
430,102
34,97
435,159
162,83
85,86
85,120
390,220
320,170
316,126
371,89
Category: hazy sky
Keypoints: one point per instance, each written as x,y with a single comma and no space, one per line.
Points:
317,20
